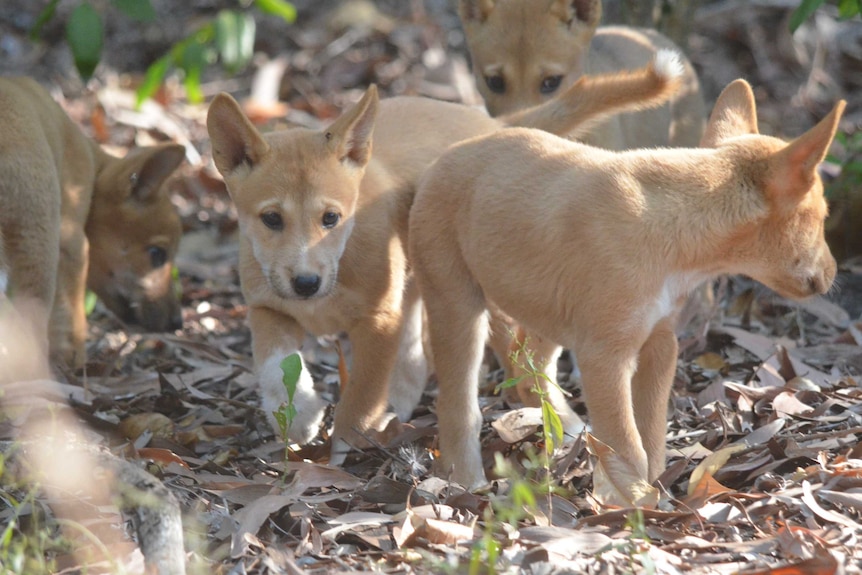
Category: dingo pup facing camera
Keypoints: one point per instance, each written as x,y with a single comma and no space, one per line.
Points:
600,249
525,51
323,233
75,217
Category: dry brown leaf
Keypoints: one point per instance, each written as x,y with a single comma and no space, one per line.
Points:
159,425
826,514
416,528
518,424
615,481
710,464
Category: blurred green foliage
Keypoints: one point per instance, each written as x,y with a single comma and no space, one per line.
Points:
228,38
846,9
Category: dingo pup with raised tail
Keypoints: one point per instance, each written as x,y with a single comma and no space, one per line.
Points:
595,250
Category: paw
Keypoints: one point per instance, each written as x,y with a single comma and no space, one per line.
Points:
310,407
386,429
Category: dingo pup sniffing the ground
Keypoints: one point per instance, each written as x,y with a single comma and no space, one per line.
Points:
526,51
323,233
599,250
75,217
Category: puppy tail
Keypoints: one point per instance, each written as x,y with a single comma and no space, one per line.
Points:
594,98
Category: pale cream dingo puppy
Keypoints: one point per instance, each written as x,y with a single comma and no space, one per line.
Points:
323,227
595,250
75,217
525,51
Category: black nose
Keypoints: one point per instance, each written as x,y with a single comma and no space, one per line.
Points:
306,285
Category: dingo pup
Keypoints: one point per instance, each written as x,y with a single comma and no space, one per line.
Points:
525,51
75,217
595,250
323,233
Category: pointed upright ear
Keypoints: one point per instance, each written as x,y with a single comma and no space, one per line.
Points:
581,13
734,114
793,169
155,164
475,10
235,141
349,137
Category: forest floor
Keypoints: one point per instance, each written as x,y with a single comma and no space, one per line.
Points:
765,467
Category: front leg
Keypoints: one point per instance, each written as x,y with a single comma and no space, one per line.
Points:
606,375
364,399
651,386
274,337
69,314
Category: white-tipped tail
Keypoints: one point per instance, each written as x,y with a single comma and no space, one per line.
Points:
668,64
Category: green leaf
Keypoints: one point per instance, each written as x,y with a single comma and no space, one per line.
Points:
234,39
43,18
849,8
84,34
192,61
280,8
140,10
552,427
291,368
803,12
152,79
90,302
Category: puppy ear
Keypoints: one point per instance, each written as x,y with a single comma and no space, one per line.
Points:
155,165
234,139
578,13
475,10
793,169
734,114
349,137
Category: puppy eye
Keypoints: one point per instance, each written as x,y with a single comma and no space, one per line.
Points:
272,220
158,256
550,84
496,84
330,219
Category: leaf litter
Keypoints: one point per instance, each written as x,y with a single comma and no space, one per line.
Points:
764,471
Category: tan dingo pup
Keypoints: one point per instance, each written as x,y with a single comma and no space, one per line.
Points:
323,224
75,217
525,51
599,250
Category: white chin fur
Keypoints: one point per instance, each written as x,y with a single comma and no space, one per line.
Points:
309,405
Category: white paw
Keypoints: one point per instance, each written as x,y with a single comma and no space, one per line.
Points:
310,407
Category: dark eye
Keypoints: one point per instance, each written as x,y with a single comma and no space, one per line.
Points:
158,256
272,220
330,219
550,84
496,84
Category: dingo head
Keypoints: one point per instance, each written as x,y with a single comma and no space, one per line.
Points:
133,232
786,249
525,51
295,191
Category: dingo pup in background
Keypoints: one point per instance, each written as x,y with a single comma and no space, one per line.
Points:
525,51
323,233
75,217
599,250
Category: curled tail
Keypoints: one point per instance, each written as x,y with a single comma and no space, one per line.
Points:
594,98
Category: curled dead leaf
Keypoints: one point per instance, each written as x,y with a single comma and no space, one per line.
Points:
615,480
710,464
159,425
